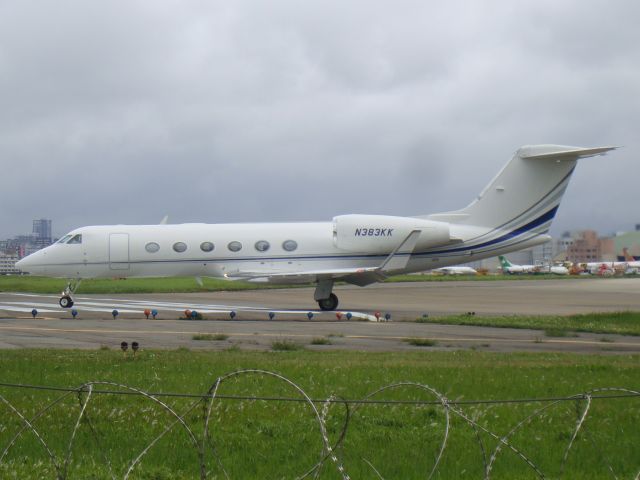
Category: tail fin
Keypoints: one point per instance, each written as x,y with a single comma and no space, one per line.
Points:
526,193
627,256
504,263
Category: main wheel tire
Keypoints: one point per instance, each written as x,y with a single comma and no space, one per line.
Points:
328,304
66,302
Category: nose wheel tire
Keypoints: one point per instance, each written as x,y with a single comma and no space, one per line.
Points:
328,304
66,302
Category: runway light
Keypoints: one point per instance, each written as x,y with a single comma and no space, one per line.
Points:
123,347
271,315
232,314
74,313
134,347
114,313
154,313
34,312
310,315
377,315
349,316
187,313
387,316
194,314
339,315
147,312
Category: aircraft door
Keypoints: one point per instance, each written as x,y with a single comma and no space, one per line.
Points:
119,251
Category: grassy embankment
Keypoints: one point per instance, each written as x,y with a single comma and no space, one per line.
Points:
36,284
124,285
257,439
491,278
622,323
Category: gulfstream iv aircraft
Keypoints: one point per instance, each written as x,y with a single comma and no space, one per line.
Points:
513,212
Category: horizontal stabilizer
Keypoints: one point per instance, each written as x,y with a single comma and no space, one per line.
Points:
574,153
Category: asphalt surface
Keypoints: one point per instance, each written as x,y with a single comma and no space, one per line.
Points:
252,329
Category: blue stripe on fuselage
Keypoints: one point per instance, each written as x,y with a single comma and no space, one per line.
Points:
508,236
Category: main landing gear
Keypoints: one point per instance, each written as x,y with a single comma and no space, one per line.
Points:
323,295
330,303
66,301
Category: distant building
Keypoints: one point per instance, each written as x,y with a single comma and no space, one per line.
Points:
561,245
8,264
628,240
586,246
23,245
42,232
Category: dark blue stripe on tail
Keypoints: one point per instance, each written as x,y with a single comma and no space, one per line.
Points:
508,236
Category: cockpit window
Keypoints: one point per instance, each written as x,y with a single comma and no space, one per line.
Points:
77,239
64,239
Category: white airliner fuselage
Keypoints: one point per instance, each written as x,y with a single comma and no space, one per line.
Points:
513,212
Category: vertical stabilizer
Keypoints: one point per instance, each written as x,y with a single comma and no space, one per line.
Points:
504,263
527,191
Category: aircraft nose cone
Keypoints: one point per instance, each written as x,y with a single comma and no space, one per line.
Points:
28,264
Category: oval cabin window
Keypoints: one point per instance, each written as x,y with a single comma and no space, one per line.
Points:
262,245
180,247
234,246
289,245
206,247
152,247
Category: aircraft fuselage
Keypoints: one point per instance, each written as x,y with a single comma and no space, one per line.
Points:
185,250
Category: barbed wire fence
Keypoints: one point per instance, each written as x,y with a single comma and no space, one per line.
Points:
331,453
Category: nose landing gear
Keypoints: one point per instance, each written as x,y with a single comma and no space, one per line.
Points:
66,301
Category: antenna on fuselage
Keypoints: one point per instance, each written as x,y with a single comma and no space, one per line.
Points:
164,220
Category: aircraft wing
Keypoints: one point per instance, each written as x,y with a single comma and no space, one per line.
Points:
360,276
357,276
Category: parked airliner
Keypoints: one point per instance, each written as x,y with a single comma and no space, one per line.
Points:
456,270
513,212
508,267
632,265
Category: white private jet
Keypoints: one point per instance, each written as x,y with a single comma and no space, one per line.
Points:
513,212
457,270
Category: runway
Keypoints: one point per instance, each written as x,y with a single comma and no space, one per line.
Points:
252,328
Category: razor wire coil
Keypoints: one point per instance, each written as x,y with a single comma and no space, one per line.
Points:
332,453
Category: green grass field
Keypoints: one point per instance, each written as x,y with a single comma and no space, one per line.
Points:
278,439
490,278
34,284
622,323
124,285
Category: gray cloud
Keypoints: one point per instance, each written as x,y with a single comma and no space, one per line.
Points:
121,112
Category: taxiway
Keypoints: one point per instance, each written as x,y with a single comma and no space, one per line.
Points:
252,328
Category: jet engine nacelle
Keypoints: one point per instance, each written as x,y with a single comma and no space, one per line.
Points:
383,234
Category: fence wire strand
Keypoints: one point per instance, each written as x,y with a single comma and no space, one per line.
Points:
206,446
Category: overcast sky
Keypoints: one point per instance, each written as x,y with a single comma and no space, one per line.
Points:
123,112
